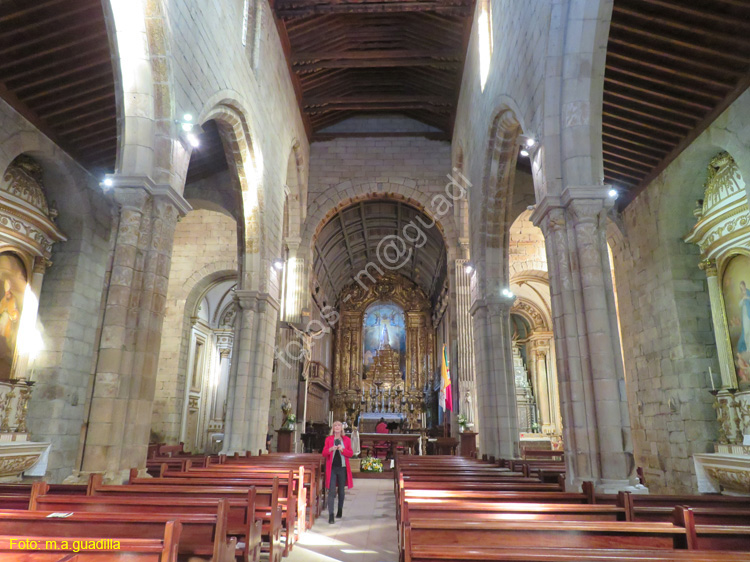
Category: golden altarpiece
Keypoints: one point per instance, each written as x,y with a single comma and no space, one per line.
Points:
381,368
27,233
723,235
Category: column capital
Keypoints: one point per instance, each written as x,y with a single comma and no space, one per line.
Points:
493,307
293,243
124,184
709,266
587,199
255,300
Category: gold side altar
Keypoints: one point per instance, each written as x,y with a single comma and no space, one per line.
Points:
383,367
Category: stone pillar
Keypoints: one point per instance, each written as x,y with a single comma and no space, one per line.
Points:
495,383
465,334
589,366
723,344
119,423
251,372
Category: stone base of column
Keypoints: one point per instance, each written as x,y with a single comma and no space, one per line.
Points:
110,477
608,486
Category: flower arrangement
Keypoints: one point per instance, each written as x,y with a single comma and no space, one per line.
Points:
289,422
370,464
463,423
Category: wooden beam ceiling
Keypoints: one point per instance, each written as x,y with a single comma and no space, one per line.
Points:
56,70
672,68
353,57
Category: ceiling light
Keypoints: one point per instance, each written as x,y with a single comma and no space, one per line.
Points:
469,268
530,142
524,152
278,264
193,140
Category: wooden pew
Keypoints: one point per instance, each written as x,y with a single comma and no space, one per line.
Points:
267,506
144,539
286,495
233,515
304,489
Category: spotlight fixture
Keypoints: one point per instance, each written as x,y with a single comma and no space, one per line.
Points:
193,140
530,142
186,123
278,264
508,294
108,182
469,268
524,153
612,193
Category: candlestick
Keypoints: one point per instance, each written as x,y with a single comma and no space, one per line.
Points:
711,376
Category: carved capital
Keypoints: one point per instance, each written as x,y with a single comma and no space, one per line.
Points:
709,267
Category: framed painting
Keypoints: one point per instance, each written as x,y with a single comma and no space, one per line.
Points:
384,328
13,280
735,285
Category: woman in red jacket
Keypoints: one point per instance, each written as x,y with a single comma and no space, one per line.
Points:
337,451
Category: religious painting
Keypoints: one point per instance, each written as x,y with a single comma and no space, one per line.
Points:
736,291
13,280
384,342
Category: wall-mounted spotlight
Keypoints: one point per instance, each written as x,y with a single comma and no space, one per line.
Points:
187,123
193,140
530,142
107,182
613,193
278,264
508,294
524,153
469,268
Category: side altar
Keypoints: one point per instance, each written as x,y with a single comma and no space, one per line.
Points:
722,235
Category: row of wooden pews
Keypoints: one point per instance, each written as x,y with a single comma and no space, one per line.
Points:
454,508
229,510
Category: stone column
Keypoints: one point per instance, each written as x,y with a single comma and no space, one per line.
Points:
119,423
250,376
723,344
495,383
465,333
589,366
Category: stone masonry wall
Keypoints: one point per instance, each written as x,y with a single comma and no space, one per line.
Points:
205,250
665,317
71,292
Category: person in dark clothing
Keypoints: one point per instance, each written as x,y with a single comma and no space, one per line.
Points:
337,452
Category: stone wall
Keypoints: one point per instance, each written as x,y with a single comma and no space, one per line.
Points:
205,251
71,293
665,318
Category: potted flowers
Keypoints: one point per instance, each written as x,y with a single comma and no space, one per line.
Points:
370,464
463,423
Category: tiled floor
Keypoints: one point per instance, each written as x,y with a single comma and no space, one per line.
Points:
366,533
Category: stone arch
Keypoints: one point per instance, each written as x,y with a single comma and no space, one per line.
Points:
537,318
348,192
245,163
494,207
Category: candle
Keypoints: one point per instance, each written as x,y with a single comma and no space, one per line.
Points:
711,376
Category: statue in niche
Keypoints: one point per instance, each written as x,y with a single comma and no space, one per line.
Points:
737,309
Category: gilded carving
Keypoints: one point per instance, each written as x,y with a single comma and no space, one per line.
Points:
734,480
722,181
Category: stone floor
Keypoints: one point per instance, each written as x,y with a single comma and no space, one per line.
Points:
366,533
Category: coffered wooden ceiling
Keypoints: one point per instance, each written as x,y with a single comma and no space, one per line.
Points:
351,57
672,67
56,70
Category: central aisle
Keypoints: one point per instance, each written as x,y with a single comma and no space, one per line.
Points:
367,532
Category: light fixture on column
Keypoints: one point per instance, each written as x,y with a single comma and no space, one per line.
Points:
469,268
524,153
187,126
278,264
530,142
193,140
613,193
508,294
107,182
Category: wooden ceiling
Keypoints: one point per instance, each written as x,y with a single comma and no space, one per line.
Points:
351,239
672,67
56,70
350,57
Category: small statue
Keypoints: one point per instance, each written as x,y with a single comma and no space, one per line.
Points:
289,418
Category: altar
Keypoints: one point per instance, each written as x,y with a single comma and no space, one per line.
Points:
369,420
